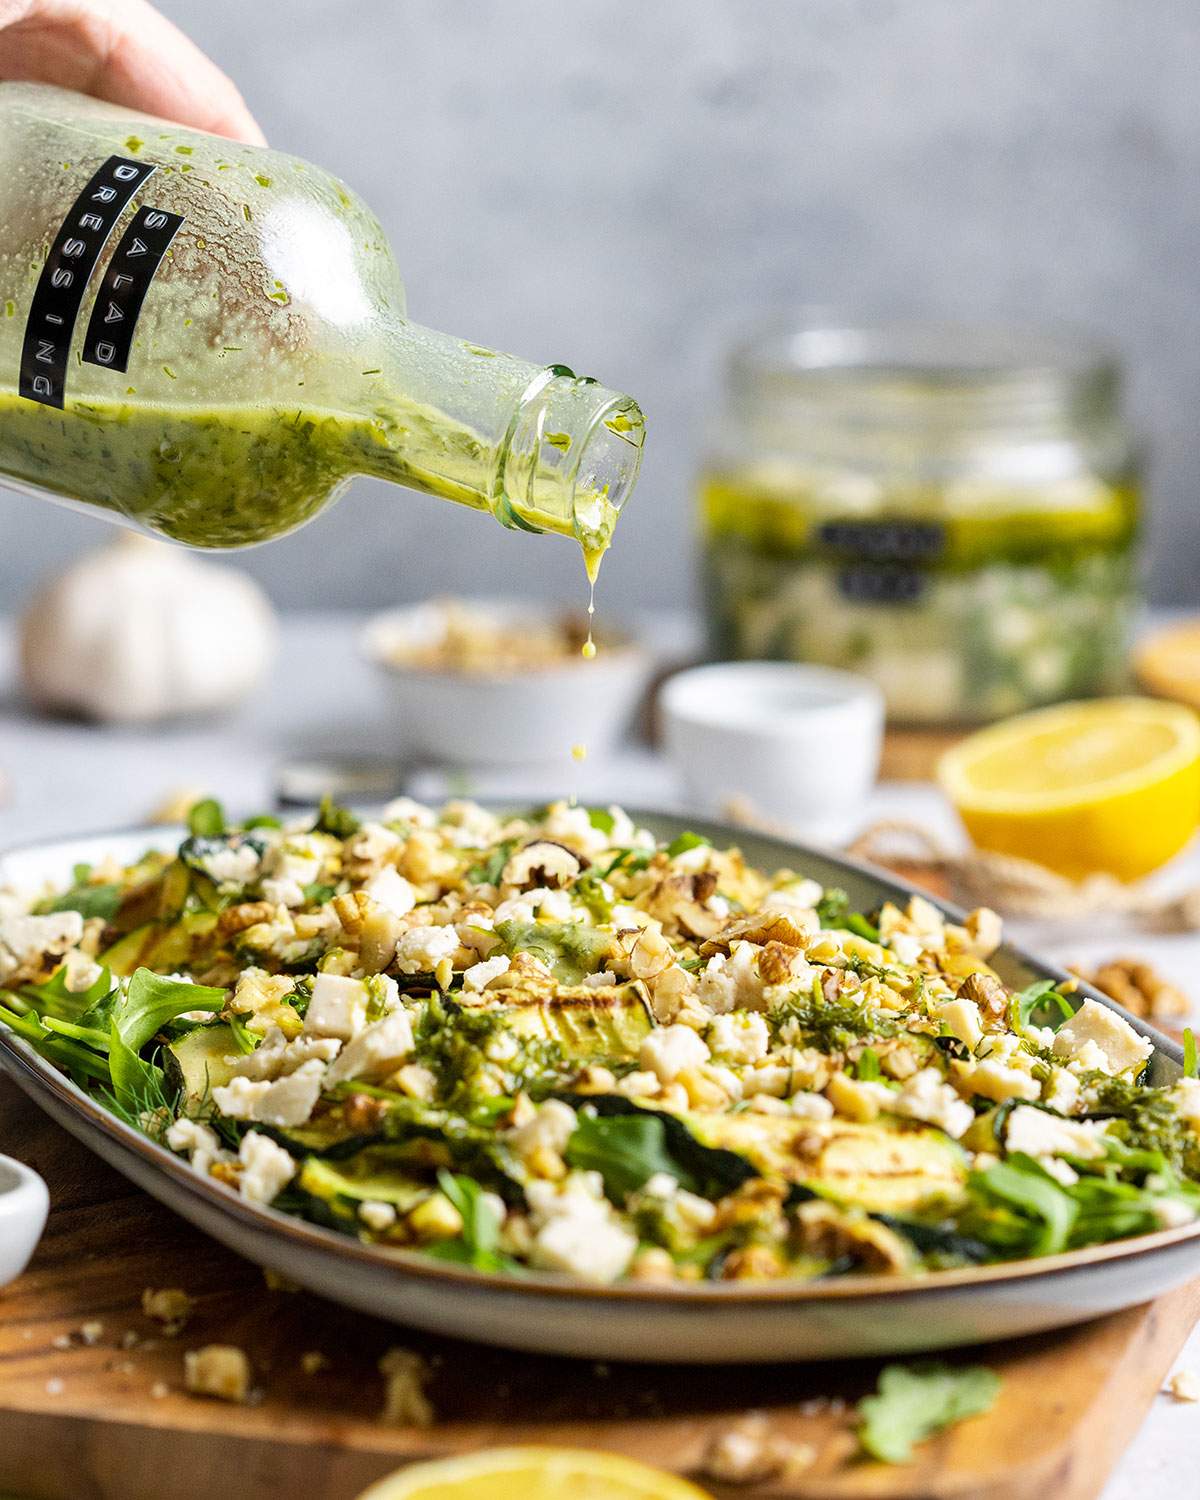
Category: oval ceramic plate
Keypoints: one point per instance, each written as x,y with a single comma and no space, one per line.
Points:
843,1318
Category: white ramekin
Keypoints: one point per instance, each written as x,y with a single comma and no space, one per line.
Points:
795,744
24,1204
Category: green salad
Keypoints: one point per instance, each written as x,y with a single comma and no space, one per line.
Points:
552,1043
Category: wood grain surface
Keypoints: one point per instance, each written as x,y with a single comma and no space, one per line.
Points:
110,1422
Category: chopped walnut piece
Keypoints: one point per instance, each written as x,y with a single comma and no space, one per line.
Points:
172,1307
761,927
1138,986
1184,1385
747,1452
241,918
405,1402
985,930
988,993
218,1370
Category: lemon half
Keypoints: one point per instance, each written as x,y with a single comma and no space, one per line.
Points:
1109,786
534,1474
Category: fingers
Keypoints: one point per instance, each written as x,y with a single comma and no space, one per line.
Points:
125,52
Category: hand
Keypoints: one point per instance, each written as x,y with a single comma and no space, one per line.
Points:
125,52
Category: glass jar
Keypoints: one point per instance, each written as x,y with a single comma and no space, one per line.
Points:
952,511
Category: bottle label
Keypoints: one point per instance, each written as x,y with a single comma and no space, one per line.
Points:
883,560
126,282
72,259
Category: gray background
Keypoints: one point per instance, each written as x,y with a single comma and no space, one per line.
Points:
617,184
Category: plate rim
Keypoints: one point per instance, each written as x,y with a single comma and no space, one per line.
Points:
36,1075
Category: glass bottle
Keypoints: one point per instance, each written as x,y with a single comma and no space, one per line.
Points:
952,511
206,340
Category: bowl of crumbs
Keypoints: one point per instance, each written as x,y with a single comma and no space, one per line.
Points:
506,682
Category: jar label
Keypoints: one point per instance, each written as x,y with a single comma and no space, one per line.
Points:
884,540
126,282
69,265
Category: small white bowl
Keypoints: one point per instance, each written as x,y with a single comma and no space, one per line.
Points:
24,1204
532,717
799,744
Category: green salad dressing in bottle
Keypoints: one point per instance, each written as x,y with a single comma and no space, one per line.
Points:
207,340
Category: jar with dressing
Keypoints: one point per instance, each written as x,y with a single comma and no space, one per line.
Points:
951,511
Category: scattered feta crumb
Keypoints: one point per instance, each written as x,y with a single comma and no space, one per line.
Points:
671,1050
390,890
377,1216
405,1403
479,976
1184,1385
421,949
1101,1039
218,1370
375,1052
171,1306
266,1168
748,1452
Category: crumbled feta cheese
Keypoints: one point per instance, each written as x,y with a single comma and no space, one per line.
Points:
962,1019
1061,1091
199,1142
1117,1046
390,890
1185,1096
573,825
549,1130
599,980
811,1106
421,949
516,909
24,940
582,1239
405,1403
277,1057
637,1085
671,1050
266,1168
405,810
996,1081
550,905
925,1096
286,1101
1173,1213
371,846
338,1007
377,1216
479,976
234,865
282,892
859,1099
801,895
906,948
1184,1385
732,982
374,1052
1039,1133
739,1038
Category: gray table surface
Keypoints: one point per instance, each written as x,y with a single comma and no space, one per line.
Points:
63,778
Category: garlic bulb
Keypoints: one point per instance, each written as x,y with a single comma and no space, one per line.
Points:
140,630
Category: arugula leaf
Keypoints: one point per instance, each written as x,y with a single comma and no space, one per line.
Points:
88,900
149,1002
912,1402
601,819
317,894
1035,1006
685,841
488,871
261,820
206,819
1020,1183
629,860
476,1246
244,1039
833,908
627,1145
54,998
335,820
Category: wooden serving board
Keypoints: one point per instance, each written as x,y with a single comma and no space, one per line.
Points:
82,1420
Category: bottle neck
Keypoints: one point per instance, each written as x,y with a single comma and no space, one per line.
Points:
539,447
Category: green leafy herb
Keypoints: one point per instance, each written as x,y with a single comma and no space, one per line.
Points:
317,894
1039,1004
912,1402
1189,1053
488,871
685,841
627,1145
601,819
261,820
1047,1208
867,1068
206,819
88,900
476,1246
859,925
833,908
150,1001
244,1039
630,861
340,822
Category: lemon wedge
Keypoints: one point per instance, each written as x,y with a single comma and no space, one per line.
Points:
1112,785
533,1474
